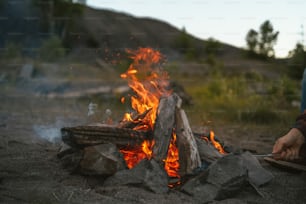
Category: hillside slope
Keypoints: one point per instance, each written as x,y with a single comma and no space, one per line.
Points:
102,34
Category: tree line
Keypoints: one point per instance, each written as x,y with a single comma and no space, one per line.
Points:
261,44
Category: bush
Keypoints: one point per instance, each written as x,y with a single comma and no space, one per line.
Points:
231,99
52,49
253,76
297,63
186,45
260,116
212,47
285,89
11,50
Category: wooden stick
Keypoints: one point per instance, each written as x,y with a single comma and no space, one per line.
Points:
285,164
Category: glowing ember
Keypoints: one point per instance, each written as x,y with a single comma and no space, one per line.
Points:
149,83
216,144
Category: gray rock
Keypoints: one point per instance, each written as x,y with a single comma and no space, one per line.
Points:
257,175
221,180
103,159
147,173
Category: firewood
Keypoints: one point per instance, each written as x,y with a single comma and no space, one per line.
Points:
189,156
136,120
81,136
164,124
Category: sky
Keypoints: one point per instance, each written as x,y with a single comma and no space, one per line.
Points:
225,20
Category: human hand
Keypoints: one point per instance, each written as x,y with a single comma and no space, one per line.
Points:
288,146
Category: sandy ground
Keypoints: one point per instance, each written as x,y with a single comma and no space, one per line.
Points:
30,172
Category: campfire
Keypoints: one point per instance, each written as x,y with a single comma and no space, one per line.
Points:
155,138
150,83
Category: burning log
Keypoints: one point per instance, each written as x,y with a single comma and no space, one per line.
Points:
135,120
164,124
81,136
189,156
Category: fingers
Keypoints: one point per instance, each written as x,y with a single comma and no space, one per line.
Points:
289,154
278,147
295,154
288,146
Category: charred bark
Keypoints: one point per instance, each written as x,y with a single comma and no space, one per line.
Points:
164,125
81,136
189,156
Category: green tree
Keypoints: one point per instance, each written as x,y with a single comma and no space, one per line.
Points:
12,50
252,40
268,39
183,41
263,41
52,49
297,61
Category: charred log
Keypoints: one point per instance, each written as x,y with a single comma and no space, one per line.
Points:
164,124
189,156
81,136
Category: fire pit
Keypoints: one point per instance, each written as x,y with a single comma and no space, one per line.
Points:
154,146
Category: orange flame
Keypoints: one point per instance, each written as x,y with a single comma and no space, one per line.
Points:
172,161
149,83
216,144
133,155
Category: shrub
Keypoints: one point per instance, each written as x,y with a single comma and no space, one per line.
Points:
11,50
212,46
285,89
253,76
297,63
52,49
261,116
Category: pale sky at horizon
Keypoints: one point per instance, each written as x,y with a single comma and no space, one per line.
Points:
225,20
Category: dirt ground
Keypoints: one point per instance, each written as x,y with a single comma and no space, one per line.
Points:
30,171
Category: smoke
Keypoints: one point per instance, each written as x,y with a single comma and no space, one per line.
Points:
51,133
